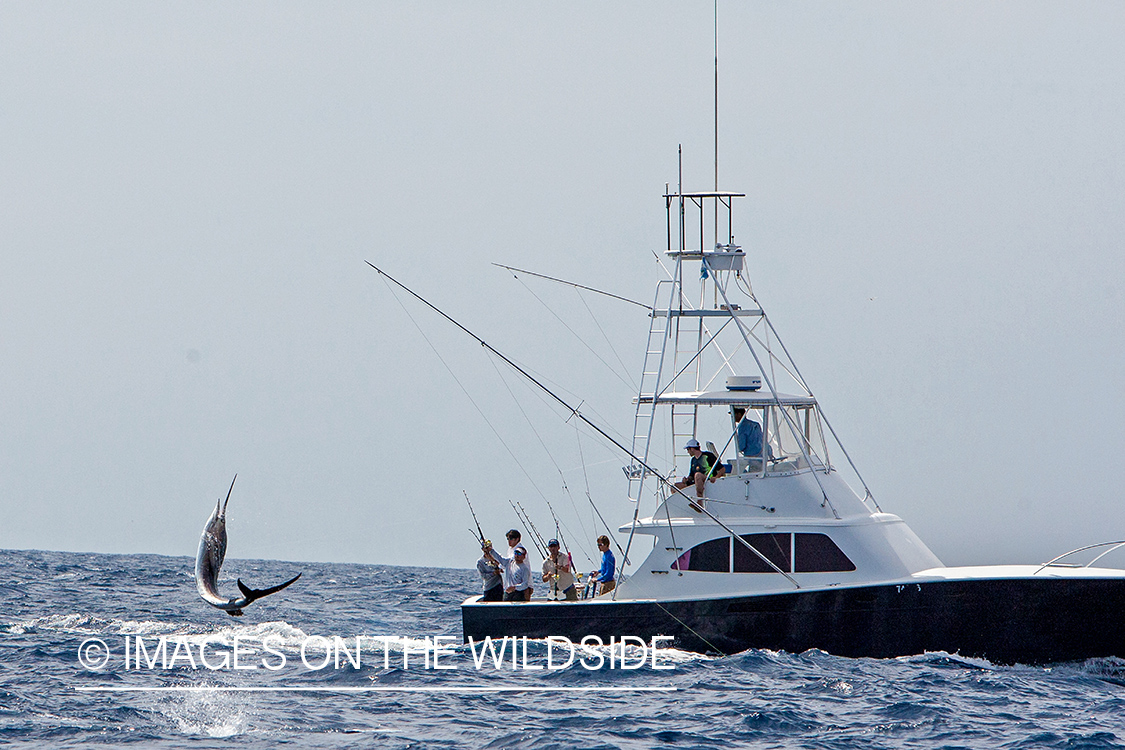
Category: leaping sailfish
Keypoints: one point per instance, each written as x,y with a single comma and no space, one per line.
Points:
209,558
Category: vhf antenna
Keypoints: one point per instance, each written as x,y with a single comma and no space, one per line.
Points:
716,206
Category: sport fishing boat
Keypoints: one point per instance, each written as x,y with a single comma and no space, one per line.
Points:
781,552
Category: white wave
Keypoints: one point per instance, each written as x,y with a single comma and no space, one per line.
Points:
282,634
90,625
206,714
289,636
938,657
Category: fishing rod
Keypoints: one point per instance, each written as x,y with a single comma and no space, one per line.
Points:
527,525
539,540
569,558
539,537
480,533
571,283
592,425
566,548
558,529
491,560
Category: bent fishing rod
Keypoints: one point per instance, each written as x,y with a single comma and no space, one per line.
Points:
480,534
592,425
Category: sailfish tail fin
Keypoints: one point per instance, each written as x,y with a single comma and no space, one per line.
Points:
254,594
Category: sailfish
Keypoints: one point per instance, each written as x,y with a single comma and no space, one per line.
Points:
209,559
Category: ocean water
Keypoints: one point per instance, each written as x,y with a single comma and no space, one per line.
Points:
51,603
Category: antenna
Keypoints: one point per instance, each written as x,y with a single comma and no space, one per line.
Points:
716,121
680,190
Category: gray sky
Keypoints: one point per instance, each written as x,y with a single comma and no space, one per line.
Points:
934,220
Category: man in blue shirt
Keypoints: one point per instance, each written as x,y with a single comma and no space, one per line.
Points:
749,437
604,577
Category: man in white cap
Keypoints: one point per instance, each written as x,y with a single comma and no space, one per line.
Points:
518,577
557,572
704,467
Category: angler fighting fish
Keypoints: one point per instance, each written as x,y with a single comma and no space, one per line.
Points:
209,558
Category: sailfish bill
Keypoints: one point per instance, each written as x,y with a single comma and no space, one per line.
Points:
209,560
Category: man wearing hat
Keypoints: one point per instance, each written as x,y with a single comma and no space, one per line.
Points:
704,467
490,573
557,570
518,577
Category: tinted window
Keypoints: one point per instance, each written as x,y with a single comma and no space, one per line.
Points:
774,546
710,557
817,553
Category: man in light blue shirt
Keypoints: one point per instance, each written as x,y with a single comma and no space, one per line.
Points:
749,436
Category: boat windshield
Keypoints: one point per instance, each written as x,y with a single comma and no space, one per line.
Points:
793,439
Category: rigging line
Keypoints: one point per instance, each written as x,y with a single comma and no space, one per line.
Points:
776,399
553,406
465,391
644,464
531,424
585,477
774,358
576,286
527,370
698,353
671,532
608,528
604,336
820,410
689,627
747,287
560,526
769,351
594,463
824,416
574,333
523,372
565,416
702,323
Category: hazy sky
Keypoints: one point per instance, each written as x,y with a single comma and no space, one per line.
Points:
935,221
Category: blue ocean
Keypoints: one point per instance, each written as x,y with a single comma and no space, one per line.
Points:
106,650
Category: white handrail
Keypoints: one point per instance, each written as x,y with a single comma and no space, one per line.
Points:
1113,546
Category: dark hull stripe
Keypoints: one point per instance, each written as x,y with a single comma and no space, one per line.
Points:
1007,621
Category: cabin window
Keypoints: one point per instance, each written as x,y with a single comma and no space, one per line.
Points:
709,557
816,553
776,547
792,553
